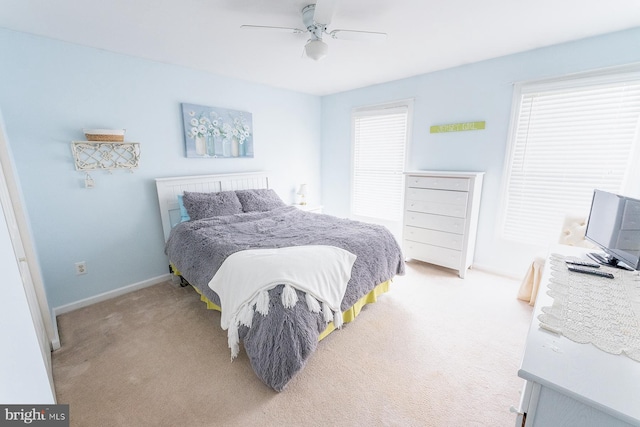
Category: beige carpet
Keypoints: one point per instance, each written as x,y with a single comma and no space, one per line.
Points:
434,351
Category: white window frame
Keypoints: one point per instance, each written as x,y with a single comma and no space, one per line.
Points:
631,183
394,226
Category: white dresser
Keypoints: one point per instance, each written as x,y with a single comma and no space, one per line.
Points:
571,384
441,217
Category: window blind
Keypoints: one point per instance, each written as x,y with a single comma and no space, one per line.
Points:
566,143
379,143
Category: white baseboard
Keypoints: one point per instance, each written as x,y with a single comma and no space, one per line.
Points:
106,296
498,271
55,341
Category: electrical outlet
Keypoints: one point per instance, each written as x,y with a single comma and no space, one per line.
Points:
88,181
81,268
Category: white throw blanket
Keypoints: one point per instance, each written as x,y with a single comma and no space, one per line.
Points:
243,280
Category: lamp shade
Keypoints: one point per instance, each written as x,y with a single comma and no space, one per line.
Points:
316,49
303,190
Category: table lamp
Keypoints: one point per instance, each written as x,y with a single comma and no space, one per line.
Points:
302,192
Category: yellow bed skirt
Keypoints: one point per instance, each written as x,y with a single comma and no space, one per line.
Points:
347,316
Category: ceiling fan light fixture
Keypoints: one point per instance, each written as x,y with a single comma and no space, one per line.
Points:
316,49
316,17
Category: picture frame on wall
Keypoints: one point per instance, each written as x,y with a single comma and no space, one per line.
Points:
211,132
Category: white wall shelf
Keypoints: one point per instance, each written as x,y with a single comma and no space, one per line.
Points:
90,155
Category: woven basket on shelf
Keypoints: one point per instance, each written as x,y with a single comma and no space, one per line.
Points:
104,138
104,135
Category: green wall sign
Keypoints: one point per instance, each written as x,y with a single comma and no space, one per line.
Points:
457,127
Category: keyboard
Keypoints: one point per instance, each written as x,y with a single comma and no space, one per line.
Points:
582,262
587,270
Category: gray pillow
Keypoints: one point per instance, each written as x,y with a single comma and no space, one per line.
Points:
259,200
206,205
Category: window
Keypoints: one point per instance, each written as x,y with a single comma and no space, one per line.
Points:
380,136
568,137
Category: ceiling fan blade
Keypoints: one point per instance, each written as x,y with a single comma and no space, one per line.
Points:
324,11
373,36
269,28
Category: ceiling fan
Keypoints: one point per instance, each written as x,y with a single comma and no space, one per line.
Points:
316,18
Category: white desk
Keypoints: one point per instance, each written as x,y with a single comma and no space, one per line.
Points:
572,384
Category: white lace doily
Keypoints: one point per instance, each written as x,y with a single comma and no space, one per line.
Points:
594,309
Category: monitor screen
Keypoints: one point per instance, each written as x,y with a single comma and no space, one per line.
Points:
614,225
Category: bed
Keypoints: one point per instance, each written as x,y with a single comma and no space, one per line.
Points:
281,321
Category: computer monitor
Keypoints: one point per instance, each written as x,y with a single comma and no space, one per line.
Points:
614,226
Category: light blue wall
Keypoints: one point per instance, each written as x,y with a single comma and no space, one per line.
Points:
475,92
51,90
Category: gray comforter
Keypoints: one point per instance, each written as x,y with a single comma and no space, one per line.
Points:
279,344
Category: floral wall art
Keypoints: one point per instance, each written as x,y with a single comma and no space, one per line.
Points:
211,132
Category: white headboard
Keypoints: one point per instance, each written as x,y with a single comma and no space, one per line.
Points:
170,188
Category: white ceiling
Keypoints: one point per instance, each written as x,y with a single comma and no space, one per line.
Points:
423,36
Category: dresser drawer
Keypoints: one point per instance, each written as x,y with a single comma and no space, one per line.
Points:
442,183
433,237
442,196
447,209
449,258
435,222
